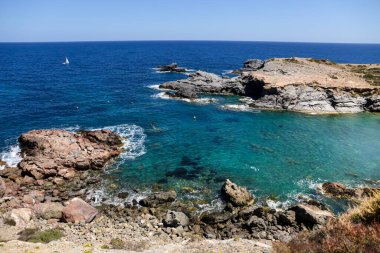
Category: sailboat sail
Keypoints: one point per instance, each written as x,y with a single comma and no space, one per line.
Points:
66,61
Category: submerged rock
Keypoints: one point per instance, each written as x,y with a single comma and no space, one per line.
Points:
77,211
237,195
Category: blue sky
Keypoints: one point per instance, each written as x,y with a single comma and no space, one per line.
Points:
351,21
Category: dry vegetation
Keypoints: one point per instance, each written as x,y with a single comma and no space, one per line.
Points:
371,73
358,230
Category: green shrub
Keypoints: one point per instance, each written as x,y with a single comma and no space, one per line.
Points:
35,235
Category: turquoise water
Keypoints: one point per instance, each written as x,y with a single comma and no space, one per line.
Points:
275,154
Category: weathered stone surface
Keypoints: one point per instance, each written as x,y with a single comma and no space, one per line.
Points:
51,153
158,199
49,210
287,218
175,219
237,195
77,210
337,190
19,217
215,217
171,68
311,215
294,84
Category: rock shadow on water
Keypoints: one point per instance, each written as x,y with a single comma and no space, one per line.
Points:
187,161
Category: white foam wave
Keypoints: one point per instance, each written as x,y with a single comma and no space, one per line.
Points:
309,183
207,100
133,140
227,72
239,108
11,156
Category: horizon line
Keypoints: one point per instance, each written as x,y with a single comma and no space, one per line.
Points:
264,41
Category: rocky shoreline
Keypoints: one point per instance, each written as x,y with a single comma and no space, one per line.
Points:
295,84
49,189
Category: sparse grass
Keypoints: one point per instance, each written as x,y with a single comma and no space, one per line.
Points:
358,230
117,243
367,212
35,235
105,246
292,60
322,61
370,74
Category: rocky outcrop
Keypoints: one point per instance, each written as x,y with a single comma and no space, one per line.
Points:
175,219
250,65
59,153
237,195
340,191
171,68
311,215
77,211
294,84
157,199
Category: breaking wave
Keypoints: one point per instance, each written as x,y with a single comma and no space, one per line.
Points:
11,156
133,140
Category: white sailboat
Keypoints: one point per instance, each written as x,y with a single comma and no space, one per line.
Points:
66,61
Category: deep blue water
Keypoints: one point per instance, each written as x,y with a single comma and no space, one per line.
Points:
106,84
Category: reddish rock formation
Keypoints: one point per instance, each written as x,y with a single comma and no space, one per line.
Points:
78,210
51,153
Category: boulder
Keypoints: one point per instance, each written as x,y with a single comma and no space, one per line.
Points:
311,215
215,217
337,190
51,153
77,211
49,210
19,217
238,196
175,219
256,222
157,199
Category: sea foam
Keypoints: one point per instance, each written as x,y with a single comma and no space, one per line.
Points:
11,156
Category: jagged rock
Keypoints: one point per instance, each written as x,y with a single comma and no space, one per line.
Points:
157,199
256,222
287,218
19,217
171,68
237,195
49,210
215,217
48,153
337,190
77,210
311,215
175,219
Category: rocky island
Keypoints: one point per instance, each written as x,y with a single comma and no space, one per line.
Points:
295,84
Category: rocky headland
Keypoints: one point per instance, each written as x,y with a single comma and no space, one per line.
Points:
295,84
46,197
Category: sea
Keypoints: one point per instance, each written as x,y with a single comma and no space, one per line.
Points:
281,157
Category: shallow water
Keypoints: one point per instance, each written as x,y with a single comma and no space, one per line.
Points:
274,154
